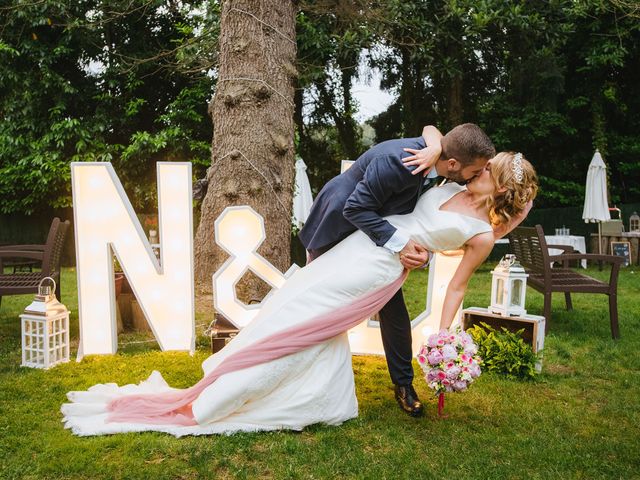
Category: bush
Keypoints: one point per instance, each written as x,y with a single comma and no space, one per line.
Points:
504,351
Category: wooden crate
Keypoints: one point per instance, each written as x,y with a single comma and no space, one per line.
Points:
533,326
222,332
139,320
124,305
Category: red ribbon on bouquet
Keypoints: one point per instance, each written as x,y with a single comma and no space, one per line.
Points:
441,406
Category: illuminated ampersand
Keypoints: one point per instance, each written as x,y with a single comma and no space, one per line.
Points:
240,231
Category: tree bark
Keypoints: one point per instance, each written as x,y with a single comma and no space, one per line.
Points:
412,96
456,110
253,150
455,100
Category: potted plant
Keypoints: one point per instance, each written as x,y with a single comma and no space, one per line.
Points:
151,224
118,276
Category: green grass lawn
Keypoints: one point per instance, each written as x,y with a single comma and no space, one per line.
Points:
579,419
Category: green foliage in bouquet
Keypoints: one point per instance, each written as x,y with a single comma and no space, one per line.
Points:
503,351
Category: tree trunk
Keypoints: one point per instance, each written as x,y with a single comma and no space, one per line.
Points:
348,134
406,94
454,104
298,117
456,111
253,151
349,131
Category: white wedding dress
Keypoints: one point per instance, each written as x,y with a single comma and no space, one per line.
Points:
314,385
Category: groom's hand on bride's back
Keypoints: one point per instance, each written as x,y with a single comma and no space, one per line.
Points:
413,255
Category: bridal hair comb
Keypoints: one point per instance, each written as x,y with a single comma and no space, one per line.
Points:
516,166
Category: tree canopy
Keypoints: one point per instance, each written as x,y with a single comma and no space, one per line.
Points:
129,82
100,81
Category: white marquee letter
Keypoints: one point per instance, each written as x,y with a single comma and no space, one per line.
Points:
105,223
366,339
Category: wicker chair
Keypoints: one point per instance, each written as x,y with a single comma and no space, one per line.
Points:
19,283
532,251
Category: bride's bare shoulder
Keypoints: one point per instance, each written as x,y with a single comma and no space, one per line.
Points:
482,241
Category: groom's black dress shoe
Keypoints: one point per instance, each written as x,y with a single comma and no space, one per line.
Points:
408,400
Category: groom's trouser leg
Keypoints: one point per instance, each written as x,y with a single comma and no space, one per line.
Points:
395,327
315,253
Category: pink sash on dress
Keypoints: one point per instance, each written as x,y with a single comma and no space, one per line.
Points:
175,407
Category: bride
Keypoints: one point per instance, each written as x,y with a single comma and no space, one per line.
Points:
291,367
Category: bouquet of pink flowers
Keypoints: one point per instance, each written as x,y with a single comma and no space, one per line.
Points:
450,363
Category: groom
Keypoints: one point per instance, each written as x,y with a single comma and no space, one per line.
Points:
380,184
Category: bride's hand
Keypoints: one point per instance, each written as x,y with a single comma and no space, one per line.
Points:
424,159
414,256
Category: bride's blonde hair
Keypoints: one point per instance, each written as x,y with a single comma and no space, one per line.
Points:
519,182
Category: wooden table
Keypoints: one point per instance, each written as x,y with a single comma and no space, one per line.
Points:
577,242
632,237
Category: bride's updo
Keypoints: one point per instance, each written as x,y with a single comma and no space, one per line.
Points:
516,184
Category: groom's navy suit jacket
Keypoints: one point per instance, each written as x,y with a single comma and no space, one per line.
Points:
376,185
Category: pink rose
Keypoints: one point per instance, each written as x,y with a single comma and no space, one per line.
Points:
434,357
464,358
459,386
422,359
466,338
470,349
441,376
432,341
453,372
449,352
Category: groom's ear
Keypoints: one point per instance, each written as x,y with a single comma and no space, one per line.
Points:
453,165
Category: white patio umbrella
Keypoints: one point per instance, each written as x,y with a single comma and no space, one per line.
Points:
596,205
302,198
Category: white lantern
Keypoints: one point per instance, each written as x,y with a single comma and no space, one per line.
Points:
634,222
45,329
508,288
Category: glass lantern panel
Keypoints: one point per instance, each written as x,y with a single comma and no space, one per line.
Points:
499,291
516,293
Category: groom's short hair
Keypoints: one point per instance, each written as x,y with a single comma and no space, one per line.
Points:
466,143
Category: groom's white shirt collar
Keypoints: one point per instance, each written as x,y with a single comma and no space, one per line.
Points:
432,174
